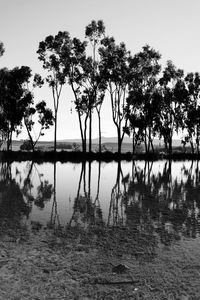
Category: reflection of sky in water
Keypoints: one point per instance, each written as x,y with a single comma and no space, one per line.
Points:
67,182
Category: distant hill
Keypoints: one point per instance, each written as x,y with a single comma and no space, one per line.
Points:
127,140
110,143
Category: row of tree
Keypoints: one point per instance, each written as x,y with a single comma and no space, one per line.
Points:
146,101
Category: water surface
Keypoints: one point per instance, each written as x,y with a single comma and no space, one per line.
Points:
161,196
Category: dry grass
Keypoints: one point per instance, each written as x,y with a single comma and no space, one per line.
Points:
77,265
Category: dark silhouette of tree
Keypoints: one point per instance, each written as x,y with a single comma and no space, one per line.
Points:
45,120
44,116
96,88
142,102
115,69
2,49
84,78
174,95
49,52
192,111
3,128
73,58
14,99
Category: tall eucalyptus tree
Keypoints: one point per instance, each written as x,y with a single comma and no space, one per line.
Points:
73,58
49,52
175,95
14,99
192,111
2,120
115,69
143,101
45,120
95,31
84,78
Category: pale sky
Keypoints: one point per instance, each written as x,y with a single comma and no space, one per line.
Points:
172,27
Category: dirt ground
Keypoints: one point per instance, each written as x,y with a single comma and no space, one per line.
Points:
97,264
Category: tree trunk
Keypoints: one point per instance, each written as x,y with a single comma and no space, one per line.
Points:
55,132
197,139
152,147
99,118
30,137
145,141
85,134
9,138
119,140
90,131
192,146
133,144
170,146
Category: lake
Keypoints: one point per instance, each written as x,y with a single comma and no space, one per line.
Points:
160,196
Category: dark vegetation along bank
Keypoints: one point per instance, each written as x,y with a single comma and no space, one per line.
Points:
64,156
146,99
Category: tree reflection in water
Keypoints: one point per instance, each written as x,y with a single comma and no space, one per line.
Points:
159,204
44,189
86,210
118,199
18,194
171,206
12,204
54,220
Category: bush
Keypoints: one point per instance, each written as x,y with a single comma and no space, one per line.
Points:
26,145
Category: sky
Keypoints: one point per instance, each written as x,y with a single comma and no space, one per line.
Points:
171,27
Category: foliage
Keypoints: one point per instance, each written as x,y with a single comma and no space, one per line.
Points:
45,120
115,69
2,49
49,52
14,99
27,145
143,101
192,111
174,97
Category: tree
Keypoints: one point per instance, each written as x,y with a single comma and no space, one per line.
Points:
14,99
3,129
49,52
95,32
174,95
2,49
92,92
192,111
45,120
142,102
73,58
84,78
115,69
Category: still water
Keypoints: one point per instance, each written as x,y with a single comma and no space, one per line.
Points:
159,195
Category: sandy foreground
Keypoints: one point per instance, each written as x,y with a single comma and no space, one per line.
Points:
97,264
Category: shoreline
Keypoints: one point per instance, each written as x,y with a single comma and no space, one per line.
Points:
76,156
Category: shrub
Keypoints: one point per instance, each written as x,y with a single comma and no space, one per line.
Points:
26,145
